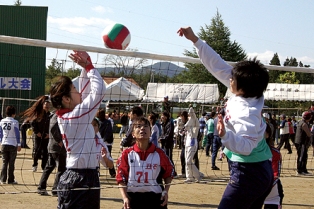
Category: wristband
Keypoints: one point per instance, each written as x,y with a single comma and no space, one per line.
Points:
164,193
89,67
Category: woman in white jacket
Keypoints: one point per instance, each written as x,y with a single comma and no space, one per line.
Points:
79,185
191,146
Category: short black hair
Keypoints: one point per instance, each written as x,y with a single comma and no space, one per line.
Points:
251,77
137,111
153,117
185,114
9,111
204,113
165,113
96,121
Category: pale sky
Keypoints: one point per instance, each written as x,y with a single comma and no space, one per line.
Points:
262,27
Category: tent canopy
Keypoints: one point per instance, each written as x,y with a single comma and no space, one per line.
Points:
120,90
181,92
287,92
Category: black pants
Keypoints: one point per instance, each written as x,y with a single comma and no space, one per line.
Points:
145,200
40,149
9,153
284,139
112,171
87,189
210,138
54,160
182,158
24,137
302,157
249,185
216,145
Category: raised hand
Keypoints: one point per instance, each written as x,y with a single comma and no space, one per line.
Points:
82,58
188,34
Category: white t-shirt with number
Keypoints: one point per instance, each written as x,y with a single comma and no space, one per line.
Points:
9,132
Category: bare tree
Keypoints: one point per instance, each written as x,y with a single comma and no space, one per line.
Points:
124,66
18,3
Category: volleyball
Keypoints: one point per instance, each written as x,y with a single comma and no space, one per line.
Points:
116,36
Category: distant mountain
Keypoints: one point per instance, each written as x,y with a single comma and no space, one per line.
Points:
165,68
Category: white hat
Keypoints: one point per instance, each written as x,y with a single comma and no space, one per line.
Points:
266,115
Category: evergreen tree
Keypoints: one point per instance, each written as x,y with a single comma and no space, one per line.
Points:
274,74
52,71
72,73
291,62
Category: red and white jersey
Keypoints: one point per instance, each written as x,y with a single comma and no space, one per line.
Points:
75,125
9,132
143,171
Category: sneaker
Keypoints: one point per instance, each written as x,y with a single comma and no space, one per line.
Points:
182,175
13,182
299,173
34,168
215,168
53,194
42,192
200,178
306,173
188,181
3,182
202,175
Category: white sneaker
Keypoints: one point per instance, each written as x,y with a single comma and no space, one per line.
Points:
188,181
34,168
2,182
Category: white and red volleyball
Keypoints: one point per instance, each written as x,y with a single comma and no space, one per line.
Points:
116,36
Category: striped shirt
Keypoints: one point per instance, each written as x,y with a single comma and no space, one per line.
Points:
202,124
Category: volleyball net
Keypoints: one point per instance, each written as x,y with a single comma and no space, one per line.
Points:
133,79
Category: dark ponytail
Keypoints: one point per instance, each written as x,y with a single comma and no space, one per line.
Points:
59,89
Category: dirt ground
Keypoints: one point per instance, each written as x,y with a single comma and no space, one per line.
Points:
298,190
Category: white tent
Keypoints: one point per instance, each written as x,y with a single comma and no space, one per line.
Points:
288,92
120,90
180,92
123,90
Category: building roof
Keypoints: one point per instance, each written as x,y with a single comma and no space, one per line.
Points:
109,79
